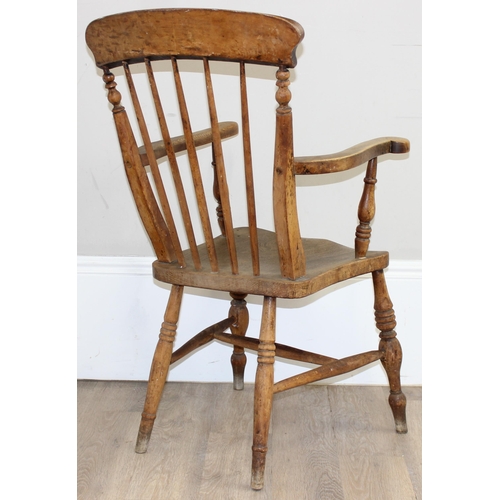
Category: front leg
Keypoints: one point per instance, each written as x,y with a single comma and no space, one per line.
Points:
391,349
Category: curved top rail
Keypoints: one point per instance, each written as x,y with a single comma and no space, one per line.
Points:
194,33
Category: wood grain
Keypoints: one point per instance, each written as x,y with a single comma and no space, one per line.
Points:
369,455
244,36
220,171
334,441
303,423
178,143
249,184
351,157
327,263
195,168
160,189
286,221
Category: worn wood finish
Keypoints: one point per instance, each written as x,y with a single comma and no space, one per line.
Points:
159,368
327,263
165,205
239,327
240,260
250,192
144,197
202,338
220,171
392,355
178,143
351,157
286,220
242,36
263,398
282,351
328,370
169,148
366,211
195,169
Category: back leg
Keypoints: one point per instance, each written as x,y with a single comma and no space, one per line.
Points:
159,368
239,327
391,349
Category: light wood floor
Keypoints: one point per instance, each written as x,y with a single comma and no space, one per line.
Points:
326,442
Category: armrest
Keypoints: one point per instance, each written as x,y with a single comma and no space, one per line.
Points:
350,158
200,138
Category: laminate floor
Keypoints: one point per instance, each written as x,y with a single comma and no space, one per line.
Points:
326,442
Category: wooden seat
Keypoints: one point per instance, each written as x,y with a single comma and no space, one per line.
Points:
201,247
327,264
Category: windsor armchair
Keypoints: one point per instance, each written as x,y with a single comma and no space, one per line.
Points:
215,254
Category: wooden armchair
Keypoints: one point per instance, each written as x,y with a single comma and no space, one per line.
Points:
238,260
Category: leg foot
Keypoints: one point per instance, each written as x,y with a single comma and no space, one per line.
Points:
397,401
238,362
264,385
159,369
145,429
391,361
258,467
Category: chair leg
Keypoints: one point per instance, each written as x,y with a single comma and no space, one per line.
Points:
264,384
239,327
159,368
391,349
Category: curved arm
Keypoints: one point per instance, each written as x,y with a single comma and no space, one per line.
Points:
200,138
350,158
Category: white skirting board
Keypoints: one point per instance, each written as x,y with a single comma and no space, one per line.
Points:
121,307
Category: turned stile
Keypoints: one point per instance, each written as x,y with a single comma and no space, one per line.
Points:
366,211
147,207
165,205
291,252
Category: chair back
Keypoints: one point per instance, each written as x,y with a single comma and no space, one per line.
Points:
145,43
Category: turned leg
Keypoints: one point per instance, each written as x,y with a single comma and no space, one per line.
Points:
239,327
264,385
390,348
159,368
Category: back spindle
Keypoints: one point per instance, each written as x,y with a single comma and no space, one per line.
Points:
252,218
150,214
160,189
195,169
174,167
220,170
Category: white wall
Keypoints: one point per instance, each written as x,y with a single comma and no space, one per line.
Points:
121,309
358,77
